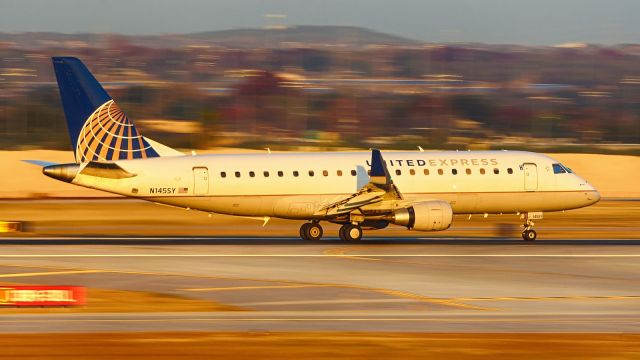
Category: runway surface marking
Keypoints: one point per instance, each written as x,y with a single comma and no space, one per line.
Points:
324,302
49,273
630,319
456,299
234,288
317,255
391,292
344,253
551,298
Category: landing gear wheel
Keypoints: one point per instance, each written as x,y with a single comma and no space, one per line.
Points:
529,235
303,231
350,232
313,232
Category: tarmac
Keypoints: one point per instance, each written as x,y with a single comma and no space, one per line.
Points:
473,285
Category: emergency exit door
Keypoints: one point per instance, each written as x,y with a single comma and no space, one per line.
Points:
200,181
530,177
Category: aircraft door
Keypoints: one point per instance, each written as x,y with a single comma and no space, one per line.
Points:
530,177
200,181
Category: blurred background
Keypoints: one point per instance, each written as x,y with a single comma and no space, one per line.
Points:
557,77
289,75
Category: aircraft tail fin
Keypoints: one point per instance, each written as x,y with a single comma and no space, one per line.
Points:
99,130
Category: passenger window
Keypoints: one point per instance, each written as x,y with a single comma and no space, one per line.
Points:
266,174
353,173
454,171
237,173
440,172
412,172
426,171
496,171
295,173
509,170
325,173
311,173
339,172
482,171
468,171
223,174
398,172
280,174
252,174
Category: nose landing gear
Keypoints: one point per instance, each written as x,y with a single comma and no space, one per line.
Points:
528,234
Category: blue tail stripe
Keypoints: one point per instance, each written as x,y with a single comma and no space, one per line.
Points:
81,93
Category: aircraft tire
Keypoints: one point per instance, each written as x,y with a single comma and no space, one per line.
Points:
529,235
350,232
313,231
303,231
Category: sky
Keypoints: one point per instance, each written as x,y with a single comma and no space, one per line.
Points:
539,22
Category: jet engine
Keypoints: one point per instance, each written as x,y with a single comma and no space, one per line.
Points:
435,215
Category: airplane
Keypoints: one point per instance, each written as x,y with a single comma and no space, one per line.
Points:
419,190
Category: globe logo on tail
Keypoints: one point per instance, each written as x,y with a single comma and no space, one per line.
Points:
108,135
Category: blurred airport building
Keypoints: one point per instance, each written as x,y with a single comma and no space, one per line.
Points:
332,87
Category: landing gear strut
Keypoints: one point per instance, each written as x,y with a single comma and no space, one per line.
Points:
350,232
528,234
311,231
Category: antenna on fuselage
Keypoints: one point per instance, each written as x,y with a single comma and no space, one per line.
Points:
420,148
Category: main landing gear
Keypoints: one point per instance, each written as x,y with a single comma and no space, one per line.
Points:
528,234
350,232
312,231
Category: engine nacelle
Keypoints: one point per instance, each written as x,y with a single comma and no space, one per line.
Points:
435,215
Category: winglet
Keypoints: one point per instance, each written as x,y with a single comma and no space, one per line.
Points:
379,174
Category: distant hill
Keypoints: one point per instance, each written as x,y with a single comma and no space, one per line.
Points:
235,38
312,35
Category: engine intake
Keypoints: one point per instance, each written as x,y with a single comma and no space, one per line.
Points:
433,215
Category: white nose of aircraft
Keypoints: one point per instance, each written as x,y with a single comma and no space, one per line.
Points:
592,194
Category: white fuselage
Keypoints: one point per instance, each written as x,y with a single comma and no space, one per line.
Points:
297,185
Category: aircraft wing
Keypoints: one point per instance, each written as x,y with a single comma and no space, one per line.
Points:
379,188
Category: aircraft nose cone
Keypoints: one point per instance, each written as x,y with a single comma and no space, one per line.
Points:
62,172
593,195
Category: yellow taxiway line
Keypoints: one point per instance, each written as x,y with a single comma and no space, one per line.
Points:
548,298
234,288
391,292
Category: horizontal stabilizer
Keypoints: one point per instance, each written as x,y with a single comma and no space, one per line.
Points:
41,163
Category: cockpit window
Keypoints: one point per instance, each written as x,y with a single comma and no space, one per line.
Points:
558,169
561,169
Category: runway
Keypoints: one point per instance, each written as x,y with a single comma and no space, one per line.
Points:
386,284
